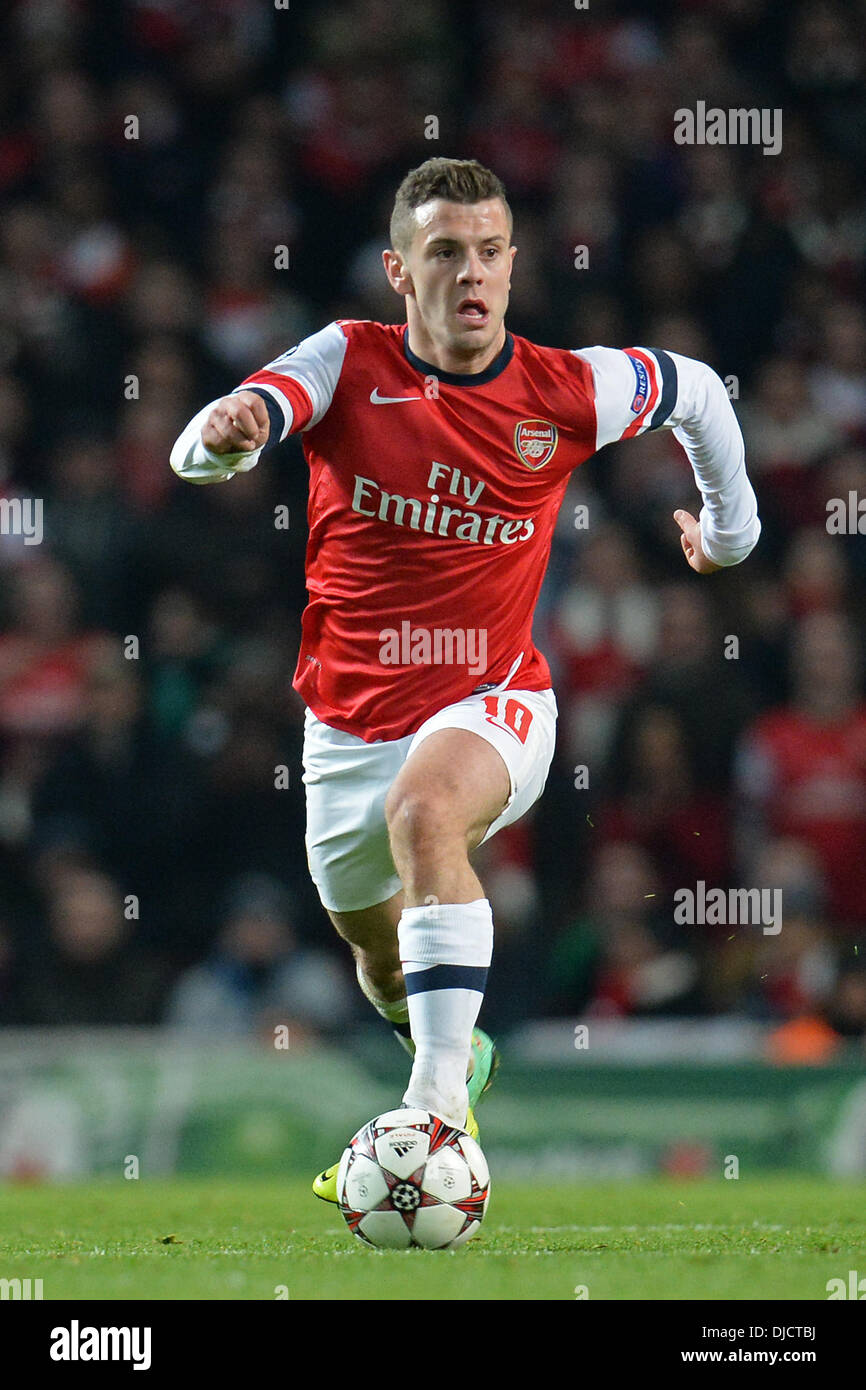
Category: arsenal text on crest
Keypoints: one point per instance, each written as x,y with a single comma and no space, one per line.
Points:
535,442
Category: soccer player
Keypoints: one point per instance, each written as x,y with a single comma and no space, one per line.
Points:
439,453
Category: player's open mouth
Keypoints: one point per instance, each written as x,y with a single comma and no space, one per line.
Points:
473,311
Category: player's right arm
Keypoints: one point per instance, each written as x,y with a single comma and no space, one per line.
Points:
224,438
291,393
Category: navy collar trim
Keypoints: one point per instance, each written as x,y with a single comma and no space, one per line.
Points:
497,366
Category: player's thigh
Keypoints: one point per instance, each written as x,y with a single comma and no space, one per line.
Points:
348,852
451,787
491,753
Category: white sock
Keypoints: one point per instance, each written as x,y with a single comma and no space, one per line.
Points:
445,950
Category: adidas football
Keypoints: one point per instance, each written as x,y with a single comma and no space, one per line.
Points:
407,1178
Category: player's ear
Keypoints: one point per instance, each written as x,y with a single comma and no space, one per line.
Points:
396,271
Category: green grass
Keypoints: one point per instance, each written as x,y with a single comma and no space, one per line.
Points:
771,1237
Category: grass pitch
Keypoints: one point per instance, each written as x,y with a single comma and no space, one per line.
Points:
657,1239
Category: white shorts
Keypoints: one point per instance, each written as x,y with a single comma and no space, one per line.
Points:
347,781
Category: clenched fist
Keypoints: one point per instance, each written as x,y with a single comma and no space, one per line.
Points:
237,424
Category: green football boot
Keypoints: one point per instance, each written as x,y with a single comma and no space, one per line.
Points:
482,1068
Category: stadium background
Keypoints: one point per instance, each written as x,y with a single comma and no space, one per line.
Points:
150,871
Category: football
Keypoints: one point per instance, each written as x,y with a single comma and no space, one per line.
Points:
409,1179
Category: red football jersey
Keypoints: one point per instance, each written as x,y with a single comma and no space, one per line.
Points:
433,497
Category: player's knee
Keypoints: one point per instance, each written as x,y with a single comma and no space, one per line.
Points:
417,817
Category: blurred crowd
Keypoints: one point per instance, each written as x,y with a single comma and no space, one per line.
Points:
154,155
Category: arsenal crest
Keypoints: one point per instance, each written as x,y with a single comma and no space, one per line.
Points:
535,442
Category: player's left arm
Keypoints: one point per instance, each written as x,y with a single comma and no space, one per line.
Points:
638,389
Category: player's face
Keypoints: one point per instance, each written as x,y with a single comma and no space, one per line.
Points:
458,272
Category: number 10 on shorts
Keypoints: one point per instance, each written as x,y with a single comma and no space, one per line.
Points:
508,713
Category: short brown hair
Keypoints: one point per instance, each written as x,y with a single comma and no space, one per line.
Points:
456,180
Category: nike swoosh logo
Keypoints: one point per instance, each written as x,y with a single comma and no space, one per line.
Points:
376,399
